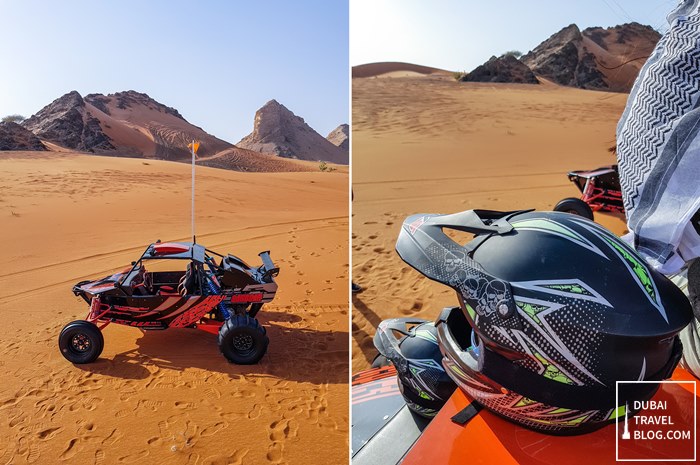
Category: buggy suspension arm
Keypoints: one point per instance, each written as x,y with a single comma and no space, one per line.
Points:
97,311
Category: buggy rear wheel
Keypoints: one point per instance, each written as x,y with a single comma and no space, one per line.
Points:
575,207
242,340
81,342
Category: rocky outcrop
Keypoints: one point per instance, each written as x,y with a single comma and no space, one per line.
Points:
635,34
340,137
560,58
596,58
130,99
279,131
66,122
15,137
125,123
506,68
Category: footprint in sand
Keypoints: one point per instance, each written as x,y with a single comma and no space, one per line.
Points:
255,412
48,433
213,429
244,393
283,429
151,405
185,405
134,457
16,420
274,452
193,459
88,426
125,395
163,429
70,450
236,458
212,394
33,453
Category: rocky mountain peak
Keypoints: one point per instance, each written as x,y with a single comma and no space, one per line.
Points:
597,58
279,131
557,59
65,122
340,136
570,32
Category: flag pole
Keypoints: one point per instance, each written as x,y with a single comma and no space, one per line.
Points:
194,238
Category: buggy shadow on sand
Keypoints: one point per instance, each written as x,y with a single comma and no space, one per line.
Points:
221,298
600,191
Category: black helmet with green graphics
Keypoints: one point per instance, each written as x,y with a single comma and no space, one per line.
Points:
554,310
416,356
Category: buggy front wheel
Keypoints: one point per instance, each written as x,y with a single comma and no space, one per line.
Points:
242,340
575,207
81,342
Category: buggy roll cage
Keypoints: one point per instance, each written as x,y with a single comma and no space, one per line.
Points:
268,267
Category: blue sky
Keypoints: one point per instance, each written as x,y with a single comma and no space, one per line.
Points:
459,35
216,62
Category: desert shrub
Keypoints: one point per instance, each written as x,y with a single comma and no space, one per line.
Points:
323,166
513,53
13,119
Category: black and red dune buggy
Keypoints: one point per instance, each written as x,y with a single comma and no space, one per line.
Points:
193,290
600,191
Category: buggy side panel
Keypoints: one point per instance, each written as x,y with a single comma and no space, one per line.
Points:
160,311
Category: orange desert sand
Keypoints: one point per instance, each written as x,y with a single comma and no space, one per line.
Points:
169,397
429,144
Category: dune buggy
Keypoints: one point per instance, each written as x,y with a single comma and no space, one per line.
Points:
197,287
600,191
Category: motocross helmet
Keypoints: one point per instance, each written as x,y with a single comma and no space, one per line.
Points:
422,379
554,309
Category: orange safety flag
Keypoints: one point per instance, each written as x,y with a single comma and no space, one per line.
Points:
195,148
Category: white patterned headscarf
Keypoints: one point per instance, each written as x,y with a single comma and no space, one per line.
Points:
658,146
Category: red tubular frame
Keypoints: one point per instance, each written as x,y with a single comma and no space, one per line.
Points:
595,197
97,310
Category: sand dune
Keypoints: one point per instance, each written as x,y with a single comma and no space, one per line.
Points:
620,64
620,52
393,69
239,159
134,120
427,145
169,397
